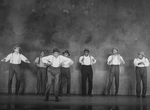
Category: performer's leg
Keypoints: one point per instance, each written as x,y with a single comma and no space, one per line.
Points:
116,79
11,74
138,82
56,86
38,81
68,76
18,77
84,79
49,83
144,82
90,82
44,80
110,80
61,82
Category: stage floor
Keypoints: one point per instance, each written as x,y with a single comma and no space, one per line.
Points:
74,102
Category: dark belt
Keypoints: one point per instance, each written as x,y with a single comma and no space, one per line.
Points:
53,67
42,67
86,65
141,67
14,64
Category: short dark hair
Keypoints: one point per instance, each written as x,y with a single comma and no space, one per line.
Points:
86,50
115,49
66,51
55,50
42,51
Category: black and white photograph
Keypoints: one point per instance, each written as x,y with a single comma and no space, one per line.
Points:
74,54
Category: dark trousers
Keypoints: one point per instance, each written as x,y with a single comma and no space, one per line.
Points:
141,75
87,73
65,73
114,72
14,69
41,80
53,74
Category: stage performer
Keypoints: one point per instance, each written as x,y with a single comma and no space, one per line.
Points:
114,60
141,63
86,62
15,59
54,62
65,73
41,74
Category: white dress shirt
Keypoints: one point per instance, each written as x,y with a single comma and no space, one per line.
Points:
39,63
67,64
87,60
15,58
115,60
144,60
55,62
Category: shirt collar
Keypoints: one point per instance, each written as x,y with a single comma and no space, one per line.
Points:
115,54
142,58
16,53
56,57
86,56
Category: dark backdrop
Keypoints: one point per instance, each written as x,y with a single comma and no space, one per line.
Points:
98,25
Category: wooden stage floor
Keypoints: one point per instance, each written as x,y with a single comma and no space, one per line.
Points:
74,102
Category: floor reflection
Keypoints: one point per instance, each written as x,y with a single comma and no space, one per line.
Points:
70,107
112,108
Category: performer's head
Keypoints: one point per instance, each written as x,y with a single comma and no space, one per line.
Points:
16,48
66,53
115,50
86,52
141,54
42,53
56,52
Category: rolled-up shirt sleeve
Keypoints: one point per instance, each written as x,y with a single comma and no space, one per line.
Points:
146,62
65,59
121,59
93,60
135,62
23,58
71,62
46,59
80,60
108,60
36,60
8,57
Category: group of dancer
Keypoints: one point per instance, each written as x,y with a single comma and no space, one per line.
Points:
57,67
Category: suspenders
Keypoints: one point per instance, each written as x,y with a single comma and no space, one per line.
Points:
39,60
12,57
18,59
90,59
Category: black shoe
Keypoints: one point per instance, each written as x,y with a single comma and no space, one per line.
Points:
83,95
38,94
46,99
143,96
42,94
9,94
116,95
67,95
17,94
90,95
60,95
138,96
107,95
56,99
